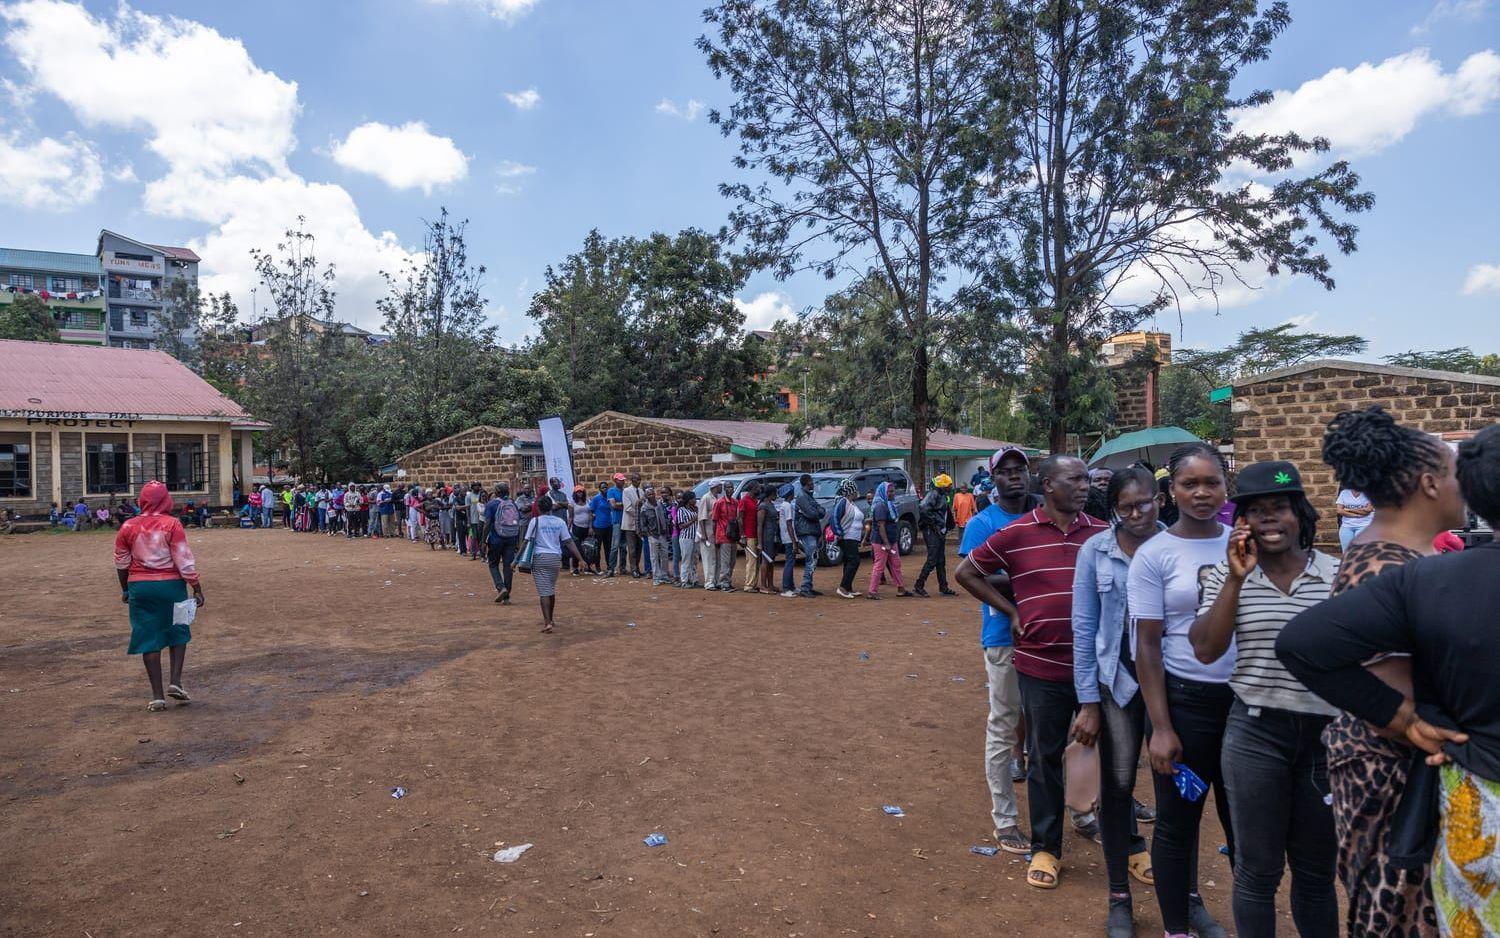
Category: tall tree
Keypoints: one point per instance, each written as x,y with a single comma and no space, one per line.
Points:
180,321
1460,359
581,315
1115,123
27,317
863,115
224,353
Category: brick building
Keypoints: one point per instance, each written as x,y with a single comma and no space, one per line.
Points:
679,452
1135,361
1282,414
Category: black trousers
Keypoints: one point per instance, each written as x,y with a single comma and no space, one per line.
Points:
937,558
1049,707
1276,772
579,533
502,556
850,550
604,536
1199,712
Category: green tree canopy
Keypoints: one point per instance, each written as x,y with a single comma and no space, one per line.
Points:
27,317
1461,359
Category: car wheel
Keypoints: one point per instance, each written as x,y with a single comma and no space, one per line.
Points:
832,554
907,537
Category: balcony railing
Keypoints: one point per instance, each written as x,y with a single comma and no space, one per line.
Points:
117,292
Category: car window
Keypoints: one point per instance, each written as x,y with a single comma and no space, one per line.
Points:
826,487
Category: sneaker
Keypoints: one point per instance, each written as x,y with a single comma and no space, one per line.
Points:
844,593
1121,920
806,594
176,692
1144,814
815,592
788,594
1200,922
710,587
1017,769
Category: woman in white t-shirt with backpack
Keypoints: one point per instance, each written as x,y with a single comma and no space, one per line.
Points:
552,536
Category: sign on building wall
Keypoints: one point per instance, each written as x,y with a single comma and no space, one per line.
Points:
131,264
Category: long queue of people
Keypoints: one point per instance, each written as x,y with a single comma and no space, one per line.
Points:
1313,696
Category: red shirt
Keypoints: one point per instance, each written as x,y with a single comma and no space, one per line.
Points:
1039,557
154,547
749,510
724,511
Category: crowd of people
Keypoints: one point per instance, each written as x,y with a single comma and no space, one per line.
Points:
1343,711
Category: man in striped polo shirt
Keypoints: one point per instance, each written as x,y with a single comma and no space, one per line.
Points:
1038,552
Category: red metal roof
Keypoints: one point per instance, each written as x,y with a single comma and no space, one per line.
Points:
182,254
61,378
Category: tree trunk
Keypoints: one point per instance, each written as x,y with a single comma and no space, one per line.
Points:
920,407
1057,437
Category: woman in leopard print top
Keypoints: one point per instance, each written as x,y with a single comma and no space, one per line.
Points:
1410,478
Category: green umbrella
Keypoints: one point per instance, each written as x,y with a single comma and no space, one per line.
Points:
1153,446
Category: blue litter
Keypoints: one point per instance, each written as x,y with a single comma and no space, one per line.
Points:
864,656
1224,849
398,792
985,851
1189,785
655,840
894,810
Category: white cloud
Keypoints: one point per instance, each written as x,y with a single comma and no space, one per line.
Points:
1370,107
1461,10
222,125
49,173
510,173
405,157
687,112
524,100
507,10
765,309
1482,278
124,172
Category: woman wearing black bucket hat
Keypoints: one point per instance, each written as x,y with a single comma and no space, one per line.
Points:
1274,762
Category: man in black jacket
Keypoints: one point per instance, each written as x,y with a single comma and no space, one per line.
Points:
932,517
808,521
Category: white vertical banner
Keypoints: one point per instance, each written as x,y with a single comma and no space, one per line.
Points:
555,451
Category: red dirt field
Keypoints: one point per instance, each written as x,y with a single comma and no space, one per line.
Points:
745,728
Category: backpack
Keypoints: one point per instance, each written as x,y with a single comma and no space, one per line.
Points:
589,548
507,518
732,530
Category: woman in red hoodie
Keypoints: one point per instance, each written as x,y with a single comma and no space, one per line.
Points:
156,568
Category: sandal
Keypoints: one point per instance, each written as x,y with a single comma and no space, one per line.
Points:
546,629
1043,870
156,706
1011,840
176,692
1140,868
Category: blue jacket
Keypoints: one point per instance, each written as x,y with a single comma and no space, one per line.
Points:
1100,618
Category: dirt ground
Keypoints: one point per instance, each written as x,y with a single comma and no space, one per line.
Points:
747,729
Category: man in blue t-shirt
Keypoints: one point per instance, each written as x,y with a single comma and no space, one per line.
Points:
1007,490
617,538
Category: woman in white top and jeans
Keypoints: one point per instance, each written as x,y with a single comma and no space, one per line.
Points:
552,536
1187,701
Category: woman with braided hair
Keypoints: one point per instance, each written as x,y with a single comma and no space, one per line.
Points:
1410,478
848,522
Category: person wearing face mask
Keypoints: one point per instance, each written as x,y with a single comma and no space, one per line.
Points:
1186,700
1111,712
1274,762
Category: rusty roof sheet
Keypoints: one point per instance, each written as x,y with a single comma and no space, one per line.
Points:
62,378
760,435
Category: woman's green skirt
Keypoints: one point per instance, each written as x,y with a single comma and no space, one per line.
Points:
151,627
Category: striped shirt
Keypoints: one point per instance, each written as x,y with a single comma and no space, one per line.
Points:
1039,557
1259,678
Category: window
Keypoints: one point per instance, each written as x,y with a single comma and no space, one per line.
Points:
66,284
139,318
15,465
107,462
182,464
533,465
22,280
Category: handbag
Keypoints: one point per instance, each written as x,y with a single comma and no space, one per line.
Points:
528,549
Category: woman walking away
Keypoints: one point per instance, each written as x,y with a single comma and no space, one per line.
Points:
502,518
1186,700
155,568
1435,610
848,522
1411,480
552,537
1275,765
885,541
687,539
1111,710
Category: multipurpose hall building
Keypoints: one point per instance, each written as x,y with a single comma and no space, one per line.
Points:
96,423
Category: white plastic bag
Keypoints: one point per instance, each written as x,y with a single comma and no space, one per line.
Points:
185,612
511,854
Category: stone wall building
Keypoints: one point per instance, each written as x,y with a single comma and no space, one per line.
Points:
1282,414
481,454
1135,361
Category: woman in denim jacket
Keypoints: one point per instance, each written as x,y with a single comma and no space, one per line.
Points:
1111,709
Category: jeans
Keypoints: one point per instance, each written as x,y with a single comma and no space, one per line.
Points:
1049,707
502,555
1276,772
937,558
886,557
810,544
1346,535
265,516
687,549
752,561
849,554
661,559
1000,735
617,552
1121,730
1198,712
322,518
724,565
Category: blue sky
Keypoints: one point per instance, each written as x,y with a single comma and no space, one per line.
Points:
215,124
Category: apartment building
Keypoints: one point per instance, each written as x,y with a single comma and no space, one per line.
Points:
70,285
